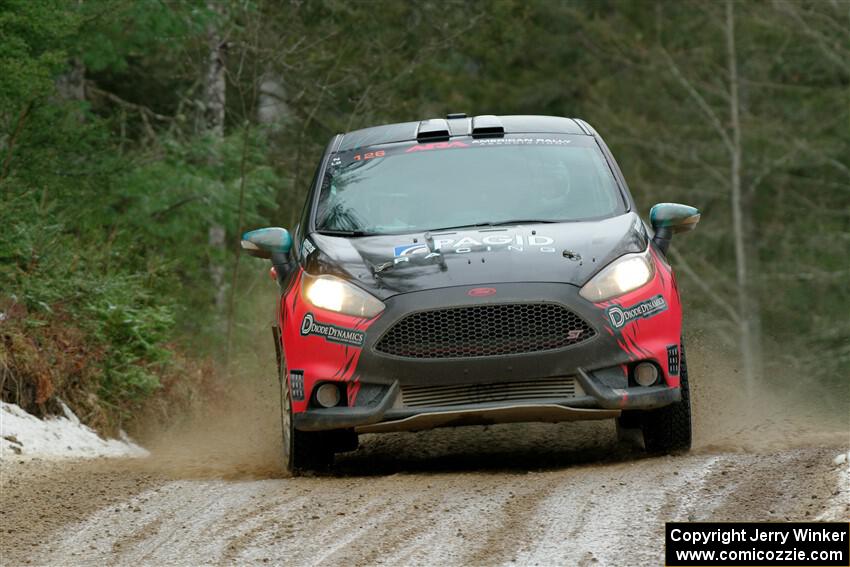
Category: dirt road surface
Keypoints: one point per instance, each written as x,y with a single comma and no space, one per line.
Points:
567,494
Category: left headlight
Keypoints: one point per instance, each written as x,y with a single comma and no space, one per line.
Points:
334,294
625,274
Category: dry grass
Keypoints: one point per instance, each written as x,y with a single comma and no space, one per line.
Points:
46,358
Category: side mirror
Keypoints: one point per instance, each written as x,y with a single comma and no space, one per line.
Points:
264,242
668,219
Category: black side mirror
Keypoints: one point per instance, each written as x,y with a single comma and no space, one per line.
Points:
265,242
668,219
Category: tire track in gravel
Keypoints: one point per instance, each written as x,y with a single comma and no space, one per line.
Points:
595,514
778,486
516,522
39,498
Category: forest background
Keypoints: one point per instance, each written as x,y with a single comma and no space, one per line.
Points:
138,139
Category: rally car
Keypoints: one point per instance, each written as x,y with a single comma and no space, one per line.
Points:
474,270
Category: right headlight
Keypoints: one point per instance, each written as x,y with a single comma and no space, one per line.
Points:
625,274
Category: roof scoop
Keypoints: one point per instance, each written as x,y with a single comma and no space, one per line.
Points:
433,130
487,125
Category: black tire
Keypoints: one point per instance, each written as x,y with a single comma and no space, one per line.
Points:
630,419
629,428
302,451
668,429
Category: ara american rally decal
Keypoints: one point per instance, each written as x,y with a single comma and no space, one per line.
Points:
358,156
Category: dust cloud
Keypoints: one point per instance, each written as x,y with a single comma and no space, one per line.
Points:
784,410
237,436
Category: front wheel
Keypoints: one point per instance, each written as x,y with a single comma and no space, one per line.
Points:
302,451
668,429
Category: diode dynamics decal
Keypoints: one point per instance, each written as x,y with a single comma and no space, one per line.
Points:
621,316
332,333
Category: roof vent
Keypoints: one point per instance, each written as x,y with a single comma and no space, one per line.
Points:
434,129
487,125
454,115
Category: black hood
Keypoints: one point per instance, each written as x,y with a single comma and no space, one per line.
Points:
387,265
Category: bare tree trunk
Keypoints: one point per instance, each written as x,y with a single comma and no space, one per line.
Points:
740,215
71,85
271,106
213,122
215,80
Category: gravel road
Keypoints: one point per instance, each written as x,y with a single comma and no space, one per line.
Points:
566,494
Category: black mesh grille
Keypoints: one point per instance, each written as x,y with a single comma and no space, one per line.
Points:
484,330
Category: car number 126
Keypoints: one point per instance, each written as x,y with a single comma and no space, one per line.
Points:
369,155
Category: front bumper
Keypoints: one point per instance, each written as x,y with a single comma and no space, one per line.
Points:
376,384
599,401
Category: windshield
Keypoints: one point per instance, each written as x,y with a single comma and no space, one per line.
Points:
410,187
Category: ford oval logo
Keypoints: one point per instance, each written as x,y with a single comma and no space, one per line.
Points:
481,292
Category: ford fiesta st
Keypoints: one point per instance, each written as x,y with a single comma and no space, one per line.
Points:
479,270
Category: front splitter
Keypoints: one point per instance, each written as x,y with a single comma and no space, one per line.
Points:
517,413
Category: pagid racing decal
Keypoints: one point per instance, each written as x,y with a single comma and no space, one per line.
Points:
513,242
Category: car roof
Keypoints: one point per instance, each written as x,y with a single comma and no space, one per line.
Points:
461,125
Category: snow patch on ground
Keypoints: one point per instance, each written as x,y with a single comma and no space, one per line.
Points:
24,435
839,506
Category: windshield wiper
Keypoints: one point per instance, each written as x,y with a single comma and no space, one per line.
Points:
491,223
346,232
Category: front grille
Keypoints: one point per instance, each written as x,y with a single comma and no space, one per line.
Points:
544,388
484,330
